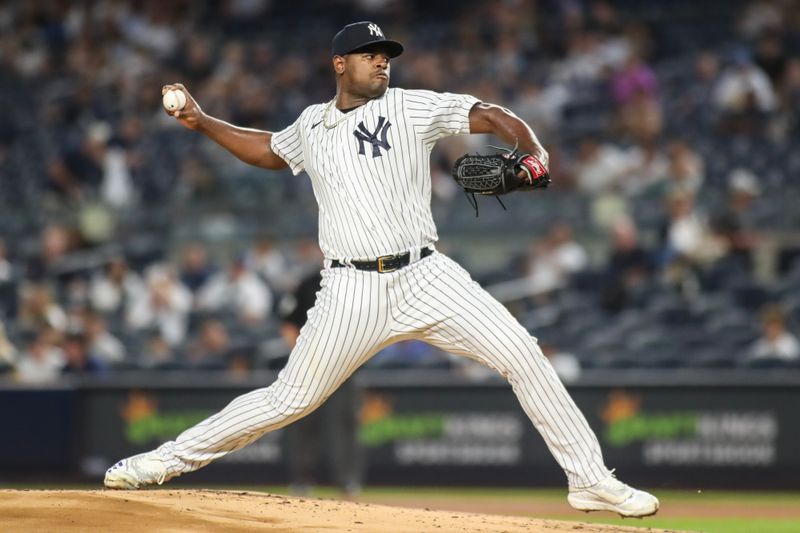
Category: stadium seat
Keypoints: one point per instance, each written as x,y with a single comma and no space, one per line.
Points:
770,363
710,357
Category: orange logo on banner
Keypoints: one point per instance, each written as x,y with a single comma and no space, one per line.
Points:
620,405
376,407
139,406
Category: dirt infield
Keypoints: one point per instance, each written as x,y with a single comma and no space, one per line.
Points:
68,511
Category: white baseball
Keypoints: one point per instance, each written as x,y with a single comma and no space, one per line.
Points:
174,100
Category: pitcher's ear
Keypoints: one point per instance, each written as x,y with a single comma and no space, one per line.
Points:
338,64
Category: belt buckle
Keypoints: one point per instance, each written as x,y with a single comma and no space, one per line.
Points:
381,268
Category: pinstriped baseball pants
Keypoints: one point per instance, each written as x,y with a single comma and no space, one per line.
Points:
358,313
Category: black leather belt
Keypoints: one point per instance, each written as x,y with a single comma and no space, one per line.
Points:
386,263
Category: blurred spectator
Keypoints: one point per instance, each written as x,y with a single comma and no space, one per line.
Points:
197,182
116,184
685,170
629,267
101,343
9,278
603,17
158,354
563,165
686,234
267,260
648,166
211,347
776,341
42,360
735,224
112,290
77,357
634,78
635,91
542,107
164,305
789,118
131,140
76,293
8,352
590,55
771,57
7,273
237,290
306,258
745,96
695,101
38,309
195,267
687,243
198,54
66,185
600,167
759,17
83,171
56,241
641,119
239,361
566,365
554,259
152,26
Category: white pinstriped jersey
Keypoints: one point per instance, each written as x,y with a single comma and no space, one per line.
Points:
370,168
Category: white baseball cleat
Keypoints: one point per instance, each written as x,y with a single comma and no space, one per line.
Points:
613,495
137,471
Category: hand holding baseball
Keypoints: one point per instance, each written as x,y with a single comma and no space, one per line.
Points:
179,103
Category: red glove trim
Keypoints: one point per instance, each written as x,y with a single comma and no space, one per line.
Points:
534,168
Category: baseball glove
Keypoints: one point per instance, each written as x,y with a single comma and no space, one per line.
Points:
499,174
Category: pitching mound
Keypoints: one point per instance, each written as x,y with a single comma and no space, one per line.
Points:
205,510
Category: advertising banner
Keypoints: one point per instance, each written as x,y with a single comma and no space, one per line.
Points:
120,422
683,436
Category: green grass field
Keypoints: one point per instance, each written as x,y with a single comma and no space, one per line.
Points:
710,511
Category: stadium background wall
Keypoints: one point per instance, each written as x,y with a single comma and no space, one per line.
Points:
704,431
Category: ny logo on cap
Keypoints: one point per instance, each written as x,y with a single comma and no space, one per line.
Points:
364,135
374,30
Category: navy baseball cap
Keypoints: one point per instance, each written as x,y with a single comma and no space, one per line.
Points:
359,35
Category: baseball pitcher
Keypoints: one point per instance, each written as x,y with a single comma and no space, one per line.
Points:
367,153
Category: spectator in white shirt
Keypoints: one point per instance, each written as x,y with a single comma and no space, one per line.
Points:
266,259
238,290
116,285
8,352
776,341
164,305
555,259
6,268
601,167
687,234
101,343
39,308
42,360
744,84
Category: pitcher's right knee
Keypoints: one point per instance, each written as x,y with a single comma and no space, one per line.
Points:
288,401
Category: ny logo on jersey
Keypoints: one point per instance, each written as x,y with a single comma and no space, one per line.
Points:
364,135
375,30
